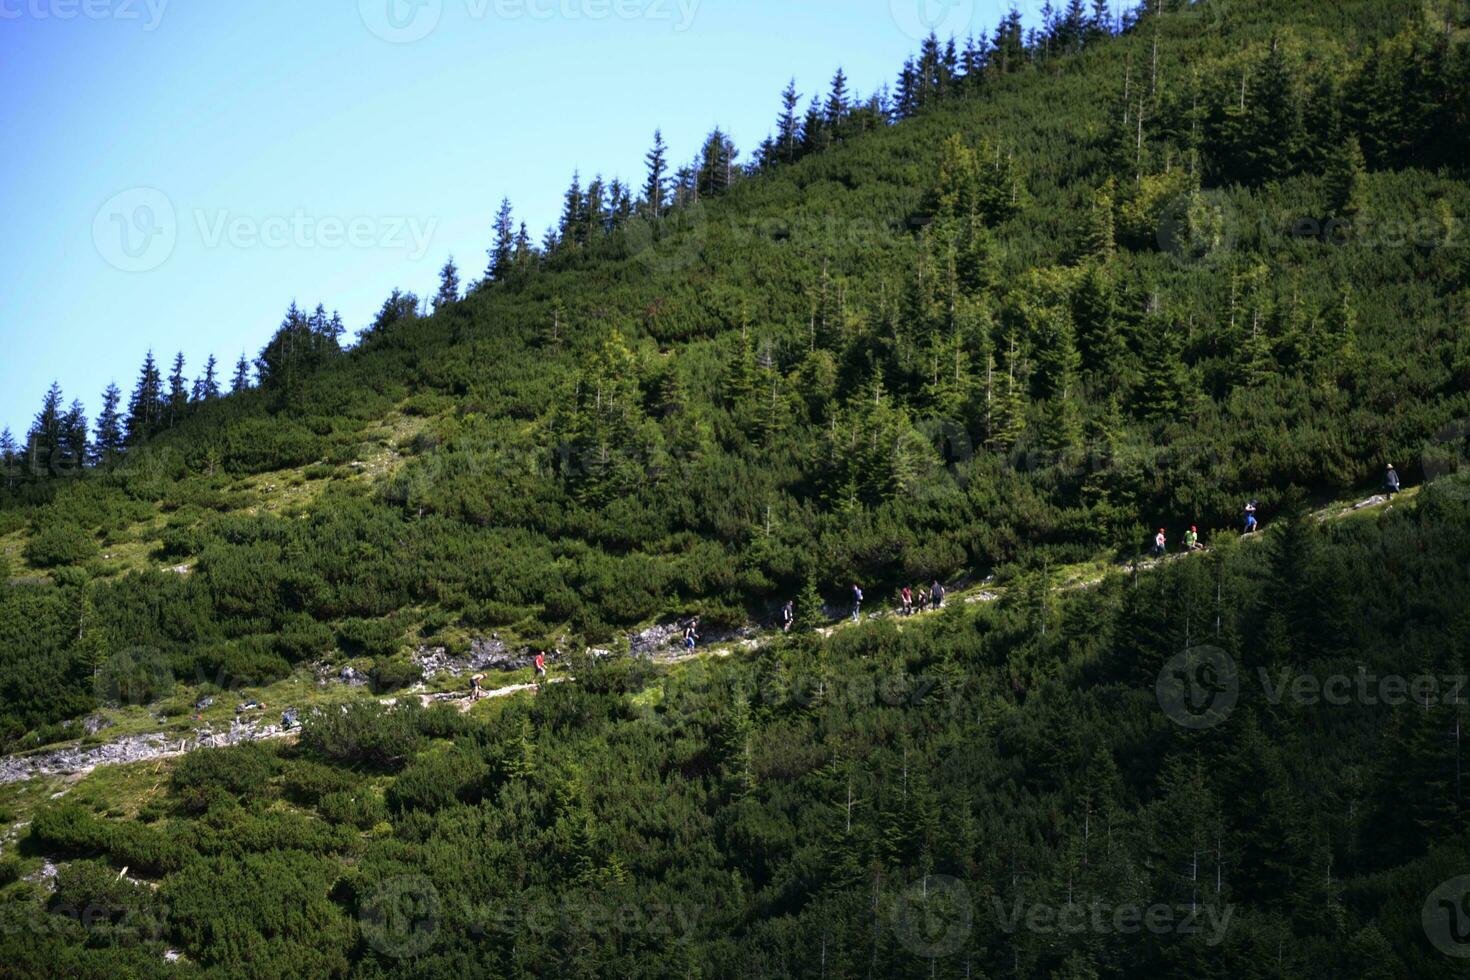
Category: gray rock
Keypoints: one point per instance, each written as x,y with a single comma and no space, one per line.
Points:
354,678
485,654
92,724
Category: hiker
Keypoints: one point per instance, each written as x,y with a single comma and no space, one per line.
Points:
906,595
788,616
1161,544
921,599
857,602
1391,482
540,665
1251,524
691,634
476,691
1191,540
936,595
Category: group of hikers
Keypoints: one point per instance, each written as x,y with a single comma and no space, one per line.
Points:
1391,487
477,682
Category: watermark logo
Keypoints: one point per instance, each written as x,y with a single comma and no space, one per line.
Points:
671,243
1198,228
401,21
1098,918
136,230
1447,917
401,918
1198,689
140,675
149,12
1445,456
934,918
942,18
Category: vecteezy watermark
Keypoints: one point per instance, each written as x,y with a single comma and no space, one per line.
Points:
585,916
942,18
139,229
1103,919
148,12
1446,917
407,21
1384,232
138,675
304,231
401,918
136,230
934,917
1365,688
1447,455
1199,688
1198,228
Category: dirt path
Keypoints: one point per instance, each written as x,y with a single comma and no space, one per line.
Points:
77,762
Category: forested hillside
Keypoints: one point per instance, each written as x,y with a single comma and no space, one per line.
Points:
1059,289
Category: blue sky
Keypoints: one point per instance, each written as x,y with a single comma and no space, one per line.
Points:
177,171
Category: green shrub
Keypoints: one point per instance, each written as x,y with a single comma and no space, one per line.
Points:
240,770
373,735
361,808
437,780
61,544
392,673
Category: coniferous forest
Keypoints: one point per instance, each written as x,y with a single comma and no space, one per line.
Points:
1055,288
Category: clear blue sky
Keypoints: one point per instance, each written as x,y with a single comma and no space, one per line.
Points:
177,171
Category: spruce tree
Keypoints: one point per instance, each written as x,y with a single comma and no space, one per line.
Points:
788,125
109,444
574,204
241,380
1101,242
837,104
1345,176
448,293
44,441
206,386
178,392
74,447
656,184
145,407
9,460
502,252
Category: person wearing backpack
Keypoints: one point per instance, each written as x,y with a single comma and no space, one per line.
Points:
936,595
857,602
1191,540
788,616
691,634
1391,482
1161,544
1251,524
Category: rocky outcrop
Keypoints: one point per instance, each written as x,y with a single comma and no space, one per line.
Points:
136,748
485,654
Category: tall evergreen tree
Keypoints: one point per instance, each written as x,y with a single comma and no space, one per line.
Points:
574,206
1345,175
448,293
9,458
838,104
241,380
109,443
74,447
145,407
178,393
717,164
44,441
206,386
788,125
656,186
502,252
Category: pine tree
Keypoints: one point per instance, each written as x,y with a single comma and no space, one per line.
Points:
717,164
788,125
1101,242
1162,394
75,450
206,386
145,408
448,293
502,252
44,441
9,460
241,381
815,136
178,393
655,185
1345,177
525,252
837,104
109,444
574,204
